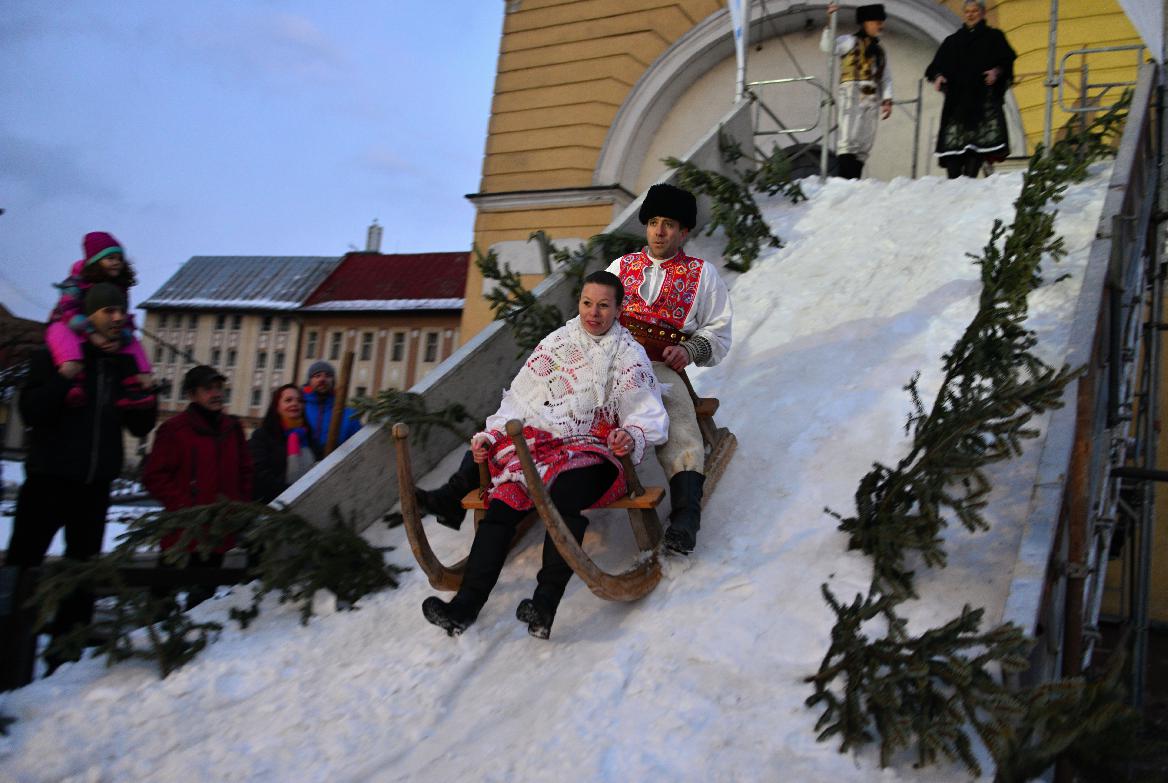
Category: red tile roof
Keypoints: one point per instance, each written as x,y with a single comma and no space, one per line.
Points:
373,277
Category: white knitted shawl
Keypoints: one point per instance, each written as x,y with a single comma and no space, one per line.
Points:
573,380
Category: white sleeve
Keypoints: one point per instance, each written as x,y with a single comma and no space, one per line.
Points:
886,81
642,414
843,43
711,314
508,409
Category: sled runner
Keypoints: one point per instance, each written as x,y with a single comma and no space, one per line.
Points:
641,504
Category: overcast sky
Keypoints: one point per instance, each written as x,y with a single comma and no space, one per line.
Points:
251,127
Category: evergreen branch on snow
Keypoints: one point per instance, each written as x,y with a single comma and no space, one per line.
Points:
732,206
287,555
933,690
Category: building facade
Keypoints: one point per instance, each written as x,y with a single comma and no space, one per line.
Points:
591,95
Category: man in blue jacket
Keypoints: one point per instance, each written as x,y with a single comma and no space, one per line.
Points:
319,397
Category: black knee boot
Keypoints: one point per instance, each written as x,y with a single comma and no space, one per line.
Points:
685,495
540,610
445,502
488,552
849,166
971,164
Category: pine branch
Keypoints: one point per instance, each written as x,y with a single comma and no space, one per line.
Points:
287,555
935,691
394,405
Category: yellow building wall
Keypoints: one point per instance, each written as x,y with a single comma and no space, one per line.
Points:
564,70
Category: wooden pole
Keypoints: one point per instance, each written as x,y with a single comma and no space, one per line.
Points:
341,395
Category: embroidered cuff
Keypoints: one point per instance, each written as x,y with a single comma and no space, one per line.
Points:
699,349
638,436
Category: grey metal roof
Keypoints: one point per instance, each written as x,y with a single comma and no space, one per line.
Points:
243,282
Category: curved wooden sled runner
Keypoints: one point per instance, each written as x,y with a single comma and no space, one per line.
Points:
641,504
720,442
441,576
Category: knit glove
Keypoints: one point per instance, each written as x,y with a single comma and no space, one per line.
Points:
76,397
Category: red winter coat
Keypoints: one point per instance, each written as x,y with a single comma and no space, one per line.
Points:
193,464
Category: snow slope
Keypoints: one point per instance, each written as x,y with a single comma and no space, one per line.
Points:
702,680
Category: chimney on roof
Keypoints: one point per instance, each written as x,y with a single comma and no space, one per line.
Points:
373,239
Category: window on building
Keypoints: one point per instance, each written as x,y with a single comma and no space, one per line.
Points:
193,321
162,320
236,322
278,360
158,354
431,354
361,390
216,356
310,345
266,324
220,322
261,360
257,397
399,347
173,355
285,324
226,395
231,354
366,346
335,345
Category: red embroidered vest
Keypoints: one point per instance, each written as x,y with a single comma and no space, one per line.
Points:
679,290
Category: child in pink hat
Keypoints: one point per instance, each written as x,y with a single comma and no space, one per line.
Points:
104,262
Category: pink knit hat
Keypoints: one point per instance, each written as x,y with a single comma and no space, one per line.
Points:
98,245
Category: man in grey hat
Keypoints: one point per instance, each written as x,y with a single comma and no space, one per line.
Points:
319,397
75,446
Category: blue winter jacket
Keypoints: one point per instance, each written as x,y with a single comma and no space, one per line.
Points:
318,410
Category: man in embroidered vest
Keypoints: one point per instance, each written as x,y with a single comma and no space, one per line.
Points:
865,87
664,287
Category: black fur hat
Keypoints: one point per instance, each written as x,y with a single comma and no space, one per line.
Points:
870,13
670,202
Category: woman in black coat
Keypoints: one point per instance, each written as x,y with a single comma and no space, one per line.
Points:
282,446
973,67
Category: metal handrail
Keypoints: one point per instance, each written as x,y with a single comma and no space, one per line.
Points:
1088,85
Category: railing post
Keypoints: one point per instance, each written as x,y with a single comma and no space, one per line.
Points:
1051,55
828,106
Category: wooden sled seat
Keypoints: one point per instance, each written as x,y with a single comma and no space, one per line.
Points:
651,499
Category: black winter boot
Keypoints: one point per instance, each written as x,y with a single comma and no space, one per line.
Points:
537,616
450,617
849,166
445,502
685,494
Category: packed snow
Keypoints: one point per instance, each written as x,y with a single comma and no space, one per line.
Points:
700,681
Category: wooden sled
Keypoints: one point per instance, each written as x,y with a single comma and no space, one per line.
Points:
720,442
641,504
441,576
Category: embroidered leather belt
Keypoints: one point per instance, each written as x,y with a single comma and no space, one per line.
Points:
654,337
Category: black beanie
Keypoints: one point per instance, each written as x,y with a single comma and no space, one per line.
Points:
102,295
870,13
669,202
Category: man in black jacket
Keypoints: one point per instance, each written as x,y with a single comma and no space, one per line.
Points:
75,448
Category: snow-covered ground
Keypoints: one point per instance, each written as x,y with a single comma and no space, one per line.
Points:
700,681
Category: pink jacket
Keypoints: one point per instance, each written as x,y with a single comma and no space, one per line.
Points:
67,325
